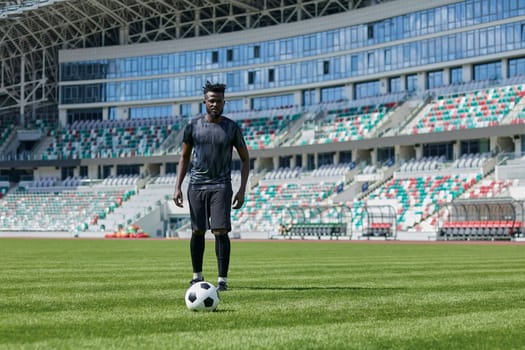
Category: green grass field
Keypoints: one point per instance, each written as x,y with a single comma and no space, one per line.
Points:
111,294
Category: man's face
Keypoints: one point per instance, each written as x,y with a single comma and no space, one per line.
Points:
214,103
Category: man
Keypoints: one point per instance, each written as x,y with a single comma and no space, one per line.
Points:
209,141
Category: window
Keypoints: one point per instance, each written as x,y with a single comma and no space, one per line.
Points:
385,155
370,32
474,146
325,159
516,67
394,85
284,162
326,67
411,83
354,63
215,57
345,157
370,59
267,102
251,78
185,109
331,94
487,71
256,51
309,97
367,89
438,150
299,161
234,105
83,171
456,75
229,55
271,75
388,56
434,79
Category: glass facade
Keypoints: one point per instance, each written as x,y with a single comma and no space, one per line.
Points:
397,43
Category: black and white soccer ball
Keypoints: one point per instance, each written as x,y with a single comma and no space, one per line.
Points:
202,296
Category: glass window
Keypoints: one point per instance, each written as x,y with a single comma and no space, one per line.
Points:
370,60
185,110
394,85
487,71
251,78
387,56
354,63
456,75
271,75
332,94
233,106
326,67
438,150
411,83
268,102
434,79
309,97
516,67
367,89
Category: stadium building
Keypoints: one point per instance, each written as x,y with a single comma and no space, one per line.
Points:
364,119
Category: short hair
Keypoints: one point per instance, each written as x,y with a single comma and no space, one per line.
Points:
217,87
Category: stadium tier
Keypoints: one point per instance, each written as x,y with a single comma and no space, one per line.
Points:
106,139
346,124
70,211
264,132
477,109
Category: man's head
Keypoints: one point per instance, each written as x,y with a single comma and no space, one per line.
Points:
214,99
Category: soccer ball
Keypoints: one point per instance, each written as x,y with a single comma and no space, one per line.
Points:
202,296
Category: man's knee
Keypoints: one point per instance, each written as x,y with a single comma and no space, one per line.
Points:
220,232
198,232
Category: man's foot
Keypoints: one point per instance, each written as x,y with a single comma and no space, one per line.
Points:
222,286
196,280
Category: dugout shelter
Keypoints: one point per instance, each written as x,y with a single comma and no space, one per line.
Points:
309,221
482,219
379,221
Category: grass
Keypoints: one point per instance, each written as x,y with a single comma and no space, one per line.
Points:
111,294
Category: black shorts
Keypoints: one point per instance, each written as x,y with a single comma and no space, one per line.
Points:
210,209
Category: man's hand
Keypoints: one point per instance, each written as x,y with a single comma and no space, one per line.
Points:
178,199
238,200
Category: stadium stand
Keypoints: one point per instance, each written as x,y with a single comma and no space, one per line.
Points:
268,127
476,109
345,123
354,130
71,211
109,139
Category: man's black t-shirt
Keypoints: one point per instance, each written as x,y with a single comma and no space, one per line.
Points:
212,145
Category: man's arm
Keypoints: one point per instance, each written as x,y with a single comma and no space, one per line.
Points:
182,169
238,200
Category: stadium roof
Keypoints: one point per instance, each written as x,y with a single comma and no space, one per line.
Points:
33,31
